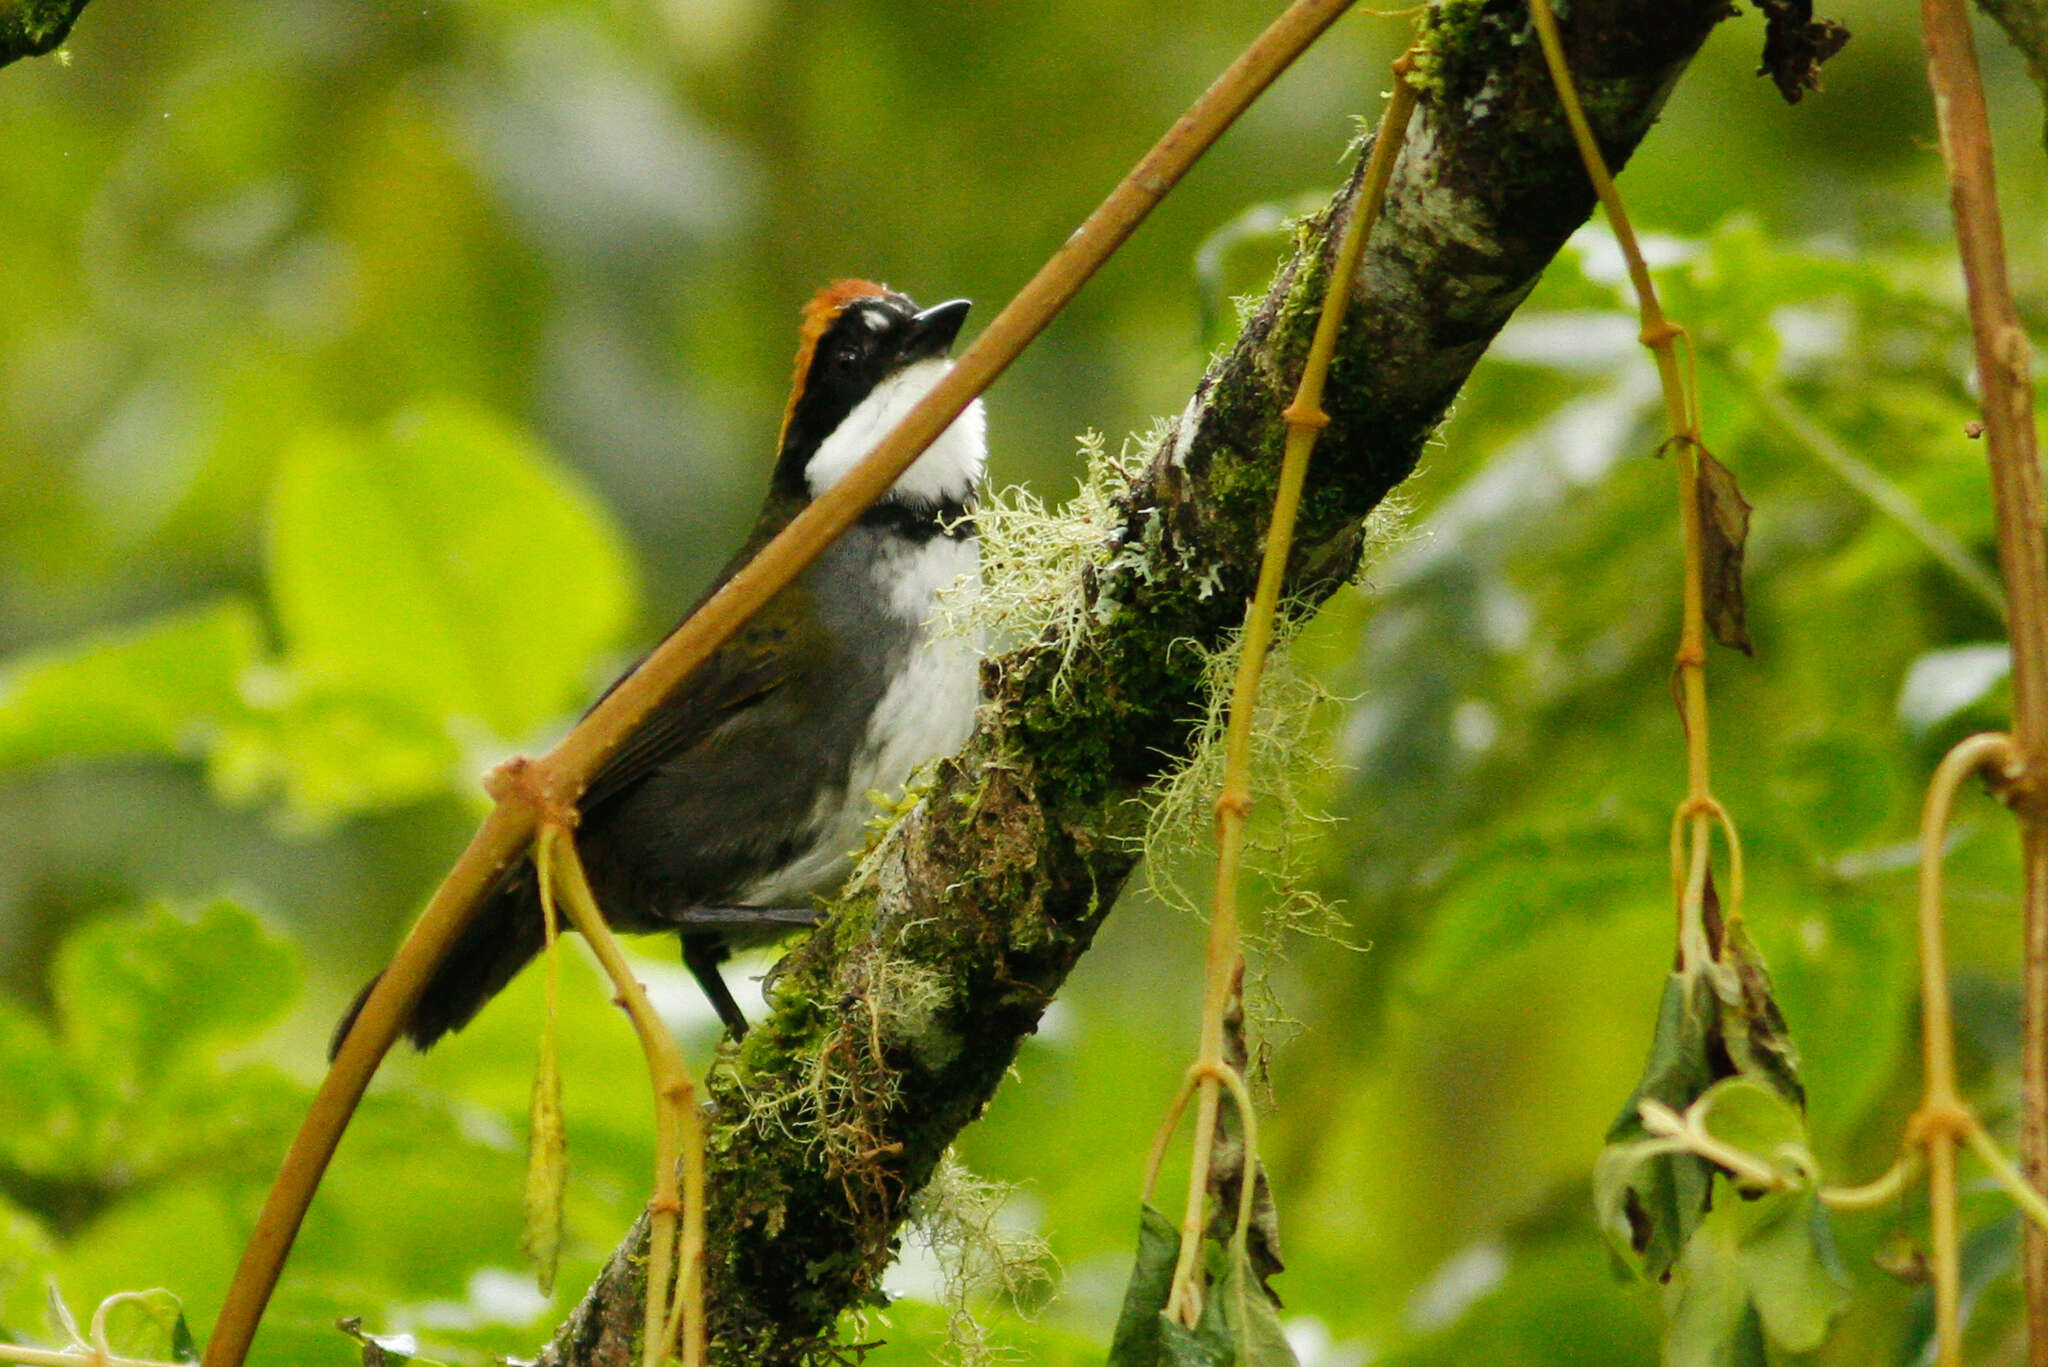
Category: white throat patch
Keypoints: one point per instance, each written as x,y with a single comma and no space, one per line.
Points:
950,467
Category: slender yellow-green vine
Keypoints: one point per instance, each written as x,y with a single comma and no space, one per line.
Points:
1700,810
1943,1117
1305,419
675,1259
90,1357
547,1141
2003,366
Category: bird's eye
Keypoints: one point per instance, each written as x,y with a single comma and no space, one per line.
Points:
846,357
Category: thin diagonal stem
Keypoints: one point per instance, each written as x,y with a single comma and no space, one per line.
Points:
1866,479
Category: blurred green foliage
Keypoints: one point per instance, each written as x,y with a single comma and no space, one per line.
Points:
373,379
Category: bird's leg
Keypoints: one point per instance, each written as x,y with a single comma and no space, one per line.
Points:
702,954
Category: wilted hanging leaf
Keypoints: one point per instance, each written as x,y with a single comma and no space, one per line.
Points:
1251,1318
1238,1326
1227,1161
1752,1027
1795,45
1740,1269
1208,1344
1724,529
546,1171
1717,1020
1650,1201
1136,1343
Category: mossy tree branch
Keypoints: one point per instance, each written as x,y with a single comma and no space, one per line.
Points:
30,28
894,1023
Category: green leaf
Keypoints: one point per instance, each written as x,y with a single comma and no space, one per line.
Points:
147,1324
330,755
143,989
1709,1321
1650,1201
1793,1272
1748,1115
1137,1339
159,689
1251,1318
1778,1240
449,562
1757,1270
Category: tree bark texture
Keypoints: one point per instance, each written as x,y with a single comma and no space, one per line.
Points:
893,1024
30,28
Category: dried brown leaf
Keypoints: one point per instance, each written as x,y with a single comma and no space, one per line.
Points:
1724,527
1795,45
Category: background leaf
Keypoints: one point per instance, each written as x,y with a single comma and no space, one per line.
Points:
159,689
447,561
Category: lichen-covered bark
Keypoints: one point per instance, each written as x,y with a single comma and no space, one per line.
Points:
30,28
894,1023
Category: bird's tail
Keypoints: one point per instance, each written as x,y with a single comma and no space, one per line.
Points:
505,933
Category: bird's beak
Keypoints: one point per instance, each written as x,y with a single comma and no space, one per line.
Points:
932,331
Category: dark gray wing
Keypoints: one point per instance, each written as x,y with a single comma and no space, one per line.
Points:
740,676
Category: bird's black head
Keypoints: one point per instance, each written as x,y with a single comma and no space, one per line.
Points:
855,336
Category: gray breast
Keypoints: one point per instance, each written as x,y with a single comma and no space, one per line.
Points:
900,692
